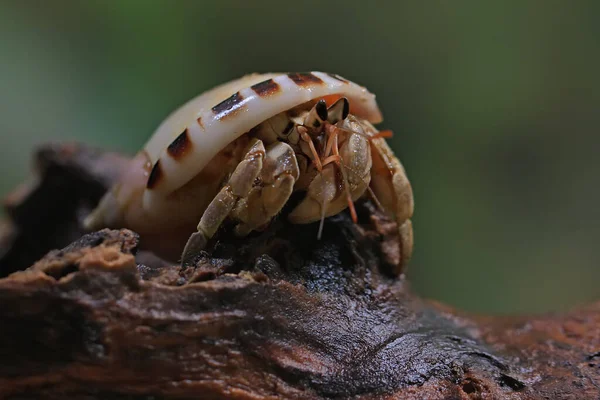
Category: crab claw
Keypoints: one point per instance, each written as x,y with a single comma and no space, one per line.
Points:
325,197
319,197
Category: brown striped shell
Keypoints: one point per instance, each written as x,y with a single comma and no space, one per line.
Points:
191,136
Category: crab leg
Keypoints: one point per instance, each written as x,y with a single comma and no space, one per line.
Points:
279,174
239,185
392,188
336,153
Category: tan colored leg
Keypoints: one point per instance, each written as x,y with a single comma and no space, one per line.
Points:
239,186
394,192
406,243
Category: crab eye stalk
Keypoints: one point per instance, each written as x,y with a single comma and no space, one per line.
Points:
338,111
317,115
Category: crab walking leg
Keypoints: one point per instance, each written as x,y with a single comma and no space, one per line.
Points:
239,186
391,186
278,176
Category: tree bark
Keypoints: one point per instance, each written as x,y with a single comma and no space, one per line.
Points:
278,314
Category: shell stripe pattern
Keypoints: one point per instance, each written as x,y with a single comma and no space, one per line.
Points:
191,136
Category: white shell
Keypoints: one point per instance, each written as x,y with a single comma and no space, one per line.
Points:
217,117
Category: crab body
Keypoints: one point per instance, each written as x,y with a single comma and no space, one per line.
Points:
241,149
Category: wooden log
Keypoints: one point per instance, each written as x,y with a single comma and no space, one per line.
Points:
276,315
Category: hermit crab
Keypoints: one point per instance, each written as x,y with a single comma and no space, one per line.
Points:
240,150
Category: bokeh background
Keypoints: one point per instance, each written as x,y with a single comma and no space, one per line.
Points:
495,107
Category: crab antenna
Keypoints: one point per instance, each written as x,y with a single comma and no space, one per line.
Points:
375,199
383,134
336,152
333,145
347,188
323,211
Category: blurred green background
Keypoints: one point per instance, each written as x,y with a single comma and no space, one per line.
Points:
494,106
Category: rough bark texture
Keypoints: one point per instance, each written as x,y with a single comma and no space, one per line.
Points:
276,315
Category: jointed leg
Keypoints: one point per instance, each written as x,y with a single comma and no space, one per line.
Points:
278,176
392,188
239,185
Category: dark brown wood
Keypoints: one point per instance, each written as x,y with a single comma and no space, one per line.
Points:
275,315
